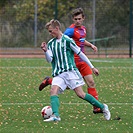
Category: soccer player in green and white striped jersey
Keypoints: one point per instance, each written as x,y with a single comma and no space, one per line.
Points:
63,54
60,52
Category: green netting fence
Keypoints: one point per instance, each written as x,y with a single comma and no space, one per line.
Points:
108,23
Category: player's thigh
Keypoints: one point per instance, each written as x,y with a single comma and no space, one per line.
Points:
89,80
73,79
58,81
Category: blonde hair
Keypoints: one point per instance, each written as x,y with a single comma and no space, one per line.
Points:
53,23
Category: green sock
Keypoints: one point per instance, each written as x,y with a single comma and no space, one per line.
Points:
93,101
55,104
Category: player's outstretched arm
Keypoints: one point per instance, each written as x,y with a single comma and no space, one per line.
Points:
91,45
84,58
78,51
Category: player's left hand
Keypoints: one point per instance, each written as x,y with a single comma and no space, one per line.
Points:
95,71
94,48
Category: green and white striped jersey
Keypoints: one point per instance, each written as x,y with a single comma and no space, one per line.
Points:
62,54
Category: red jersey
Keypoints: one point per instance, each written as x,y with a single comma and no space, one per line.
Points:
78,34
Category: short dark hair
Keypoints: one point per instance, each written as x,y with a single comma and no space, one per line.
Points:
77,11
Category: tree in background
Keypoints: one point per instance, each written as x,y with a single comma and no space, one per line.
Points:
17,18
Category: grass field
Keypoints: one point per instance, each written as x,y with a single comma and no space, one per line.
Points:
21,101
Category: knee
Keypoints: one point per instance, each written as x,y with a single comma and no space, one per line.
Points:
91,83
51,91
54,91
81,95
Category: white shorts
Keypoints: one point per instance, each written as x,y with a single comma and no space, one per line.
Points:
71,79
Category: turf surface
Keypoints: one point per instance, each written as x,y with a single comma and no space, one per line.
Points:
21,101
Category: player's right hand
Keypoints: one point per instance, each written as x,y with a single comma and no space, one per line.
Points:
44,46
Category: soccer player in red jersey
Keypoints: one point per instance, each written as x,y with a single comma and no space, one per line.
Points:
78,32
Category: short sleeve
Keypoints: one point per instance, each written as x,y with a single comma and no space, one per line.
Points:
69,32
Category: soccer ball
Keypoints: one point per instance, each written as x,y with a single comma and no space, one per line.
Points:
46,112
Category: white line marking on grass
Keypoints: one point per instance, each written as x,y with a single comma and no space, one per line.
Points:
116,67
40,67
100,60
17,67
10,104
22,59
112,61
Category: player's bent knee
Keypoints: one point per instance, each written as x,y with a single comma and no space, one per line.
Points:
81,95
91,84
54,91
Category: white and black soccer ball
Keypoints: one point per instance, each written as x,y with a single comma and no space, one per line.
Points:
46,112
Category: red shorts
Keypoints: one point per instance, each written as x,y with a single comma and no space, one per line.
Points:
84,68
